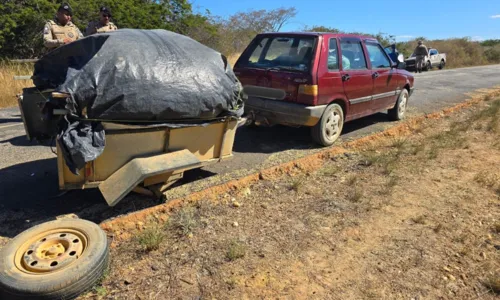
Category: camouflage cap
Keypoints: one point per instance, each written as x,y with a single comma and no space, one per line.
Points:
420,42
66,7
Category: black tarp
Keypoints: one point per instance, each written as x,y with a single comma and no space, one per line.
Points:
134,75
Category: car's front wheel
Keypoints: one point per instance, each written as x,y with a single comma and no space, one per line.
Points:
329,127
398,112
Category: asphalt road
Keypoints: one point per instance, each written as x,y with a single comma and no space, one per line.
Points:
28,173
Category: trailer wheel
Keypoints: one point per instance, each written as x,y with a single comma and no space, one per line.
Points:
54,260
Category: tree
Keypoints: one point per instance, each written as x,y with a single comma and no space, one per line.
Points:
22,21
320,28
279,17
239,29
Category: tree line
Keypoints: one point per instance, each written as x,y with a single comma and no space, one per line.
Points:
22,22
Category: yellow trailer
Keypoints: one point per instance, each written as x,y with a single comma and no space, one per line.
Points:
143,158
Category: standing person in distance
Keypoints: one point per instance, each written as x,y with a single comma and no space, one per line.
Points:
420,53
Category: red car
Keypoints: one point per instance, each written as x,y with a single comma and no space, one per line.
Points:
320,80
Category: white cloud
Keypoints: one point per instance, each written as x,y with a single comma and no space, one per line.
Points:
495,17
404,36
478,38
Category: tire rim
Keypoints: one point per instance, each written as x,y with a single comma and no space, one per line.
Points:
402,106
333,125
50,251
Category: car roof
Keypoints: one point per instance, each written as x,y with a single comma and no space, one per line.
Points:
328,34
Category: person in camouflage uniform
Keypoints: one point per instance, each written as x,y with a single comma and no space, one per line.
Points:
103,25
420,53
61,30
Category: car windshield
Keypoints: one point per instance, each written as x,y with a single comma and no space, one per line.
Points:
281,52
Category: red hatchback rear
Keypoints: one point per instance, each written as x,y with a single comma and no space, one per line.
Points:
320,80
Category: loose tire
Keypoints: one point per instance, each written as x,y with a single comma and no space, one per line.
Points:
329,127
398,112
442,65
54,260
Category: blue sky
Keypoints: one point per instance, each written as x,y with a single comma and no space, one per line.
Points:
478,19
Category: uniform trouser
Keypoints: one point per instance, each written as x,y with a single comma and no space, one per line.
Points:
420,61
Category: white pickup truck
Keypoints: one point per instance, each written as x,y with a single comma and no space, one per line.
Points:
435,59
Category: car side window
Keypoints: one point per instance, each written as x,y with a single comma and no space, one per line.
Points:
353,57
434,52
377,56
333,54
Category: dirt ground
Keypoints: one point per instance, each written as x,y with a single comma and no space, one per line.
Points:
414,217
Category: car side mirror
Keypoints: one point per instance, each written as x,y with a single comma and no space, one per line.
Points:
401,65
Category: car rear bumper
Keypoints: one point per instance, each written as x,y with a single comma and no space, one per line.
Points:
280,112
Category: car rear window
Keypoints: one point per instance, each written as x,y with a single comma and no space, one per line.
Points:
282,52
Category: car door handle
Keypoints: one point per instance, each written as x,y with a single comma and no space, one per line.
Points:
346,77
375,75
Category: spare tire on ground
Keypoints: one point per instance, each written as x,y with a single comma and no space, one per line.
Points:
54,260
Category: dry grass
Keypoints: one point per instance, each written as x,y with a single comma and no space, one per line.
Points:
330,170
101,291
151,238
493,283
184,221
236,250
496,228
9,87
487,178
389,186
352,179
355,195
297,184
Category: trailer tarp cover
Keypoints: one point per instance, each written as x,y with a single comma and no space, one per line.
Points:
134,75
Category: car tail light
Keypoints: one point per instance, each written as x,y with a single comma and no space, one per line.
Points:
307,94
308,89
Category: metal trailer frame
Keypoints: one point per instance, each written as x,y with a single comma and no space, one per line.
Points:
140,158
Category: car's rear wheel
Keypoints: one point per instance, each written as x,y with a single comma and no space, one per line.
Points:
441,65
329,127
398,112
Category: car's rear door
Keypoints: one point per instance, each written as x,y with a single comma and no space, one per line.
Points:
329,76
356,77
385,78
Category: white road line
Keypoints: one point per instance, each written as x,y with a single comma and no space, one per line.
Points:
12,125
